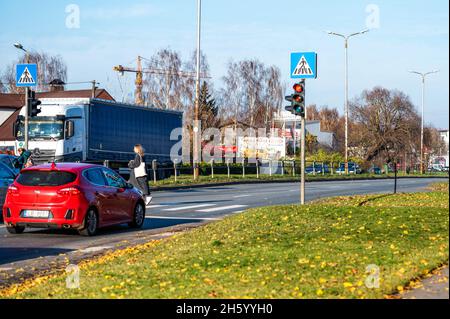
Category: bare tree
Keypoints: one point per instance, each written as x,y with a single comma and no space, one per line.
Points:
50,67
385,123
252,92
164,91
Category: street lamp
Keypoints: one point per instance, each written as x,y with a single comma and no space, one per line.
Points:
346,38
197,94
27,55
423,76
20,47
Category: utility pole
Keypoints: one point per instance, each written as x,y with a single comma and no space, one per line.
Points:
94,84
423,76
346,38
197,93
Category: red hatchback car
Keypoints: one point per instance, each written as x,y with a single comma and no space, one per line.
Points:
72,196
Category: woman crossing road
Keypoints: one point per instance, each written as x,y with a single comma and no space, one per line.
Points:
138,174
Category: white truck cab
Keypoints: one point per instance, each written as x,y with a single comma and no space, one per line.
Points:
58,133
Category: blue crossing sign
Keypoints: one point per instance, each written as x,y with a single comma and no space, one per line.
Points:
304,65
26,75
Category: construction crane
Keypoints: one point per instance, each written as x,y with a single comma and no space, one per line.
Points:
139,100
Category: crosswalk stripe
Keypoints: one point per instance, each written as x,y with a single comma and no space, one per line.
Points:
188,207
216,209
182,218
241,196
155,206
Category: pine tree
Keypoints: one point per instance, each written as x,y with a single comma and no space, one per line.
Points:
208,109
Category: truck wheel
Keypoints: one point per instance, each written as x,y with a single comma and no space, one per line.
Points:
138,216
90,224
15,229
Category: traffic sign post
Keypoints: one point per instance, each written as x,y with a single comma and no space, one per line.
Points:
303,66
26,76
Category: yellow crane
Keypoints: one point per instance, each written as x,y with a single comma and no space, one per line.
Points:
139,100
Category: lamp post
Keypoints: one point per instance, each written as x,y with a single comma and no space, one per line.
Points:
346,38
27,59
197,94
423,76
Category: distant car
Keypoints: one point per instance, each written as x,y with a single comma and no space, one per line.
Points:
76,196
7,177
375,170
317,169
8,160
353,168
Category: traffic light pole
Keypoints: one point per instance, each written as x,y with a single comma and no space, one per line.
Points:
27,108
302,152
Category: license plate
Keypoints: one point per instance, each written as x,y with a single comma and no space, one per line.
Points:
36,213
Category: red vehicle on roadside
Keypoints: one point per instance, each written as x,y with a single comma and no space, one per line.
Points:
77,196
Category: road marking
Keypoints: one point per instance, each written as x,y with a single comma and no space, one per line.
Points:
216,209
238,212
155,206
182,218
5,269
188,207
94,249
240,196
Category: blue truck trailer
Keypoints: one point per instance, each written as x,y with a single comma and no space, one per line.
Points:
95,131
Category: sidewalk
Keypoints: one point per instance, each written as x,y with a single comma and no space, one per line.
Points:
434,287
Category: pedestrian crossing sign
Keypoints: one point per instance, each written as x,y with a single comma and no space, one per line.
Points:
26,75
304,65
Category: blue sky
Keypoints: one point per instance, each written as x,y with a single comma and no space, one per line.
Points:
411,35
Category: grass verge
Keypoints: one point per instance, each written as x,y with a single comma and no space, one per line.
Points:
322,250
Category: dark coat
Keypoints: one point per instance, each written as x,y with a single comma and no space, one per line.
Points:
22,160
140,183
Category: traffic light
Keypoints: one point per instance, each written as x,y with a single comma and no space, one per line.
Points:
33,104
297,99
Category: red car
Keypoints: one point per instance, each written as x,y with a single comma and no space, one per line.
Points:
71,196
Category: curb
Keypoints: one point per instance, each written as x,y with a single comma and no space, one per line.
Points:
250,182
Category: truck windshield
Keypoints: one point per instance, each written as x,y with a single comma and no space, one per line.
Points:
42,130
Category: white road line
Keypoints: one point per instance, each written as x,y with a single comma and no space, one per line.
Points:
155,206
241,196
94,249
188,207
216,209
238,212
182,218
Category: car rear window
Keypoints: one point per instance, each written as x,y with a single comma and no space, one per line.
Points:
46,178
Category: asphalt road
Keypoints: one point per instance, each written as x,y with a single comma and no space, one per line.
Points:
184,207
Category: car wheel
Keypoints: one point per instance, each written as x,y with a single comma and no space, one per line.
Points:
138,216
15,229
90,224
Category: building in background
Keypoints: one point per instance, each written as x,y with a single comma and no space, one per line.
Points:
287,121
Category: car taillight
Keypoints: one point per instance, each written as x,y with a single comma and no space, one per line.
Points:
13,190
69,191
